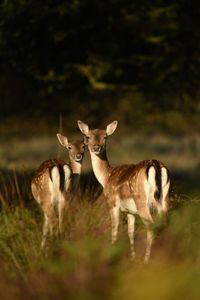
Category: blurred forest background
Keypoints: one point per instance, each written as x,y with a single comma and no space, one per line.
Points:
134,61
137,61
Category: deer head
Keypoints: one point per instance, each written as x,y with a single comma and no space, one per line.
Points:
96,138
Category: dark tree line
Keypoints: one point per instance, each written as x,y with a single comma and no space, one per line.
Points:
94,47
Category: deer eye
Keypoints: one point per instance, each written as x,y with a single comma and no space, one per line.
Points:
69,147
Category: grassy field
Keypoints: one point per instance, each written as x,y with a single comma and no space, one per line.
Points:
84,265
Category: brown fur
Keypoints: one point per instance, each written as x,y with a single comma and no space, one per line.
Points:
54,197
128,185
123,180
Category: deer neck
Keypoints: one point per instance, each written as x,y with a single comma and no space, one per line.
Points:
100,166
75,166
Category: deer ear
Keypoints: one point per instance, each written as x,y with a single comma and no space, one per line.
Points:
111,127
83,127
62,139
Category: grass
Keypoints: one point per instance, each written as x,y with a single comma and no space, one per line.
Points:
84,265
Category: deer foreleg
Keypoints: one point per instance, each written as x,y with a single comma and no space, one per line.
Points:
114,212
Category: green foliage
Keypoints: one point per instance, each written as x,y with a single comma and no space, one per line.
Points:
109,45
141,58
86,266
19,240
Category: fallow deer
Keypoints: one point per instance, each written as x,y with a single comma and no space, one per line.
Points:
135,188
51,185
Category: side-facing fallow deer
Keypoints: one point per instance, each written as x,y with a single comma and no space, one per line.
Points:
51,185
136,188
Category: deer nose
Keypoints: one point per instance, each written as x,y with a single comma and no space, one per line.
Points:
78,156
96,148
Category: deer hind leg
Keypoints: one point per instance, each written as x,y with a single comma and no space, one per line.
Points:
62,206
150,239
45,231
52,208
50,224
63,203
131,229
148,221
114,213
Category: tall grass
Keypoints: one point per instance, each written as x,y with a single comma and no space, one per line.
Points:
84,265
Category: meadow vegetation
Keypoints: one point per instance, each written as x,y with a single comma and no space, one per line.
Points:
84,265
134,61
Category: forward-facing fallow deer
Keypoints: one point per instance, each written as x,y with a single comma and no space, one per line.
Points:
52,186
136,188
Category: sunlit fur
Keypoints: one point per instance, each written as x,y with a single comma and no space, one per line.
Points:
136,188
51,186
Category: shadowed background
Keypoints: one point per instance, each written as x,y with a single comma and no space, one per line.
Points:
137,62
98,61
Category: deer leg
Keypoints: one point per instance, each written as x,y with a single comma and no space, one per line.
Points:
49,225
45,231
148,221
150,238
131,229
114,212
61,214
